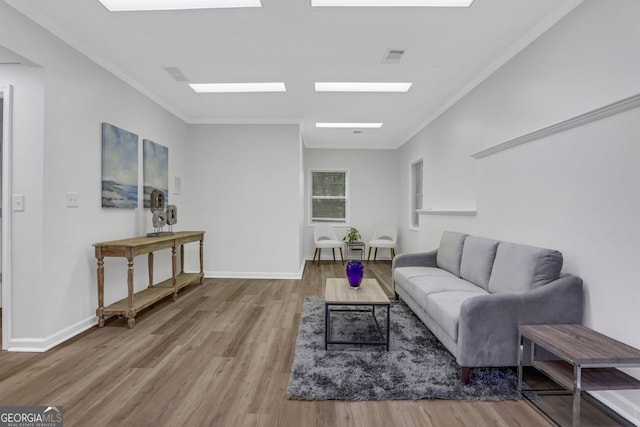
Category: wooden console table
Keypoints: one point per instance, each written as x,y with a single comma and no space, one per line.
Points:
129,248
589,360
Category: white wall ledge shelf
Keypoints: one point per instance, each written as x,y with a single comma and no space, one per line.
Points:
580,120
455,212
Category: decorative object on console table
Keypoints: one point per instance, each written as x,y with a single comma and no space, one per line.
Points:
172,217
156,200
160,216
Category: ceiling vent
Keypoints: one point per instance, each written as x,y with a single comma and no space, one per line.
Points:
176,73
392,56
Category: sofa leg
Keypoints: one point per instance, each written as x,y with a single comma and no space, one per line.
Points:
396,296
465,374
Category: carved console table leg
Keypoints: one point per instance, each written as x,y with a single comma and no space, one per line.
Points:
202,259
181,259
131,313
173,272
150,270
99,311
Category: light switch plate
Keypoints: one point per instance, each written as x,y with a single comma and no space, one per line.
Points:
73,200
18,202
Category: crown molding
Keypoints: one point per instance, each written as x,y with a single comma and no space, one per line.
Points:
608,110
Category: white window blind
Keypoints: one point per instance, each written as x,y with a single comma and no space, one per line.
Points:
329,196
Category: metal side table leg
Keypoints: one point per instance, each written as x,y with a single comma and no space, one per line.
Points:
577,384
520,356
326,325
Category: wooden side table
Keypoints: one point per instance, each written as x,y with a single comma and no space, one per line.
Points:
588,360
354,250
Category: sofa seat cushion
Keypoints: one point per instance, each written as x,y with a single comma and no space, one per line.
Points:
444,308
519,268
402,275
420,287
450,251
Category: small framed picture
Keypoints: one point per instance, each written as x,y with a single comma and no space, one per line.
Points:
177,185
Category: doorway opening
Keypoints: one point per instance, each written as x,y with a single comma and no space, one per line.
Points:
5,213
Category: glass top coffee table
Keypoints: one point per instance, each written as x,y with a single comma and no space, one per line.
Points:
340,297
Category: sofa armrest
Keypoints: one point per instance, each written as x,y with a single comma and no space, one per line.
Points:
488,326
419,259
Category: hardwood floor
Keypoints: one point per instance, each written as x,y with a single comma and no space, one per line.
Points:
219,356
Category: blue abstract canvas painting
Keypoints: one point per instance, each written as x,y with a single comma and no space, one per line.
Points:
119,168
156,170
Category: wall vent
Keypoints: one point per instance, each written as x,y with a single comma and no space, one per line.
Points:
176,73
392,56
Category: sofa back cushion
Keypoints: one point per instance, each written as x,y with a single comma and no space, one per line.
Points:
450,251
478,255
519,268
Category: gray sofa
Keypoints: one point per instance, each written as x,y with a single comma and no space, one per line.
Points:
473,292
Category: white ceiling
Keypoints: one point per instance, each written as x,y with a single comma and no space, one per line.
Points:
448,51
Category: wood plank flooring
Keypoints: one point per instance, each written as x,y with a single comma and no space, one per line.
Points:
219,356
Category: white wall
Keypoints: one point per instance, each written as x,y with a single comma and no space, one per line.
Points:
58,113
1,136
573,191
373,181
243,188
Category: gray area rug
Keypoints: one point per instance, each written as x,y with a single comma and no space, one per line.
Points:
416,367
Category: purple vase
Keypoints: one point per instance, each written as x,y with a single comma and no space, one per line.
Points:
355,272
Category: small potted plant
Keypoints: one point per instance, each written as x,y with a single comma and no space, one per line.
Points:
352,235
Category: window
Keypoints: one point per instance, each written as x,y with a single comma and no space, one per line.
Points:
416,192
329,196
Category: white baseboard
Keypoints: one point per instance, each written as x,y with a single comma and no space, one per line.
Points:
39,345
620,405
252,275
330,258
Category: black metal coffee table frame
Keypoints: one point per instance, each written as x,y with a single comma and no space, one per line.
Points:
384,338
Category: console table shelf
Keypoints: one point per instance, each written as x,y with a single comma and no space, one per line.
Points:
129,248
143,299
592,378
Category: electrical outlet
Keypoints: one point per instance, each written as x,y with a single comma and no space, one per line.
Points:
73,200
18,202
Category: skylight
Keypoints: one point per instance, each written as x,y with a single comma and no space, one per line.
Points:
349,125
148,5
393,3
361,87
238,87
